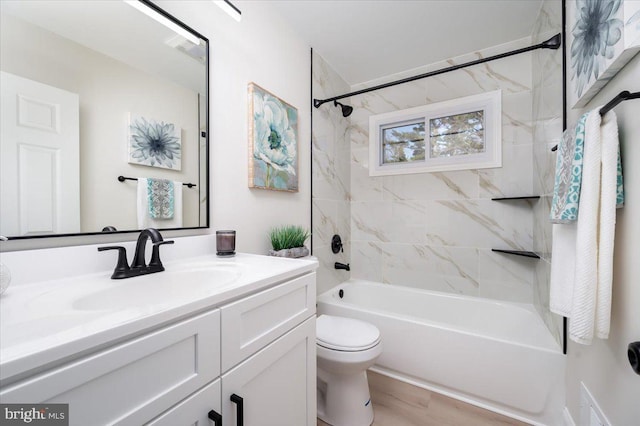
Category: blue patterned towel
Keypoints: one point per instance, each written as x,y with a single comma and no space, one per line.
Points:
568,179
620,185
566,190
160,198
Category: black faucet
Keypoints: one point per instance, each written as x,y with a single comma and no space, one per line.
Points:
339,265
139,266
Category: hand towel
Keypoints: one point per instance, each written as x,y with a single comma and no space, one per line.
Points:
609,194
591,304
568,177
160,198
581,326
144,218
563,268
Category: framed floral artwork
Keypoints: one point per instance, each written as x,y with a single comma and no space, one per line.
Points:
154,143
603,35
273,141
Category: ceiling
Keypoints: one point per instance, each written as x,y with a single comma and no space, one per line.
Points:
367,39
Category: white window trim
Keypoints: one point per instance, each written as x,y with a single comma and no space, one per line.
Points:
489,102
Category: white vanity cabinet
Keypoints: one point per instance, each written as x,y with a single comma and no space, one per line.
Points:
260,348
132,382
269,357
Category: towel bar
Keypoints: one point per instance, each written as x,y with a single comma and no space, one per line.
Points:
123,178
622,96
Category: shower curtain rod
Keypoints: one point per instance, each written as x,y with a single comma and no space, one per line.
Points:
622,96
553,43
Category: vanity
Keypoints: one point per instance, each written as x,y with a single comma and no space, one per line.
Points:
208,341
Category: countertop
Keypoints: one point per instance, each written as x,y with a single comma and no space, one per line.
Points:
47,322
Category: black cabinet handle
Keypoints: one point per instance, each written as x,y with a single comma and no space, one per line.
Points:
215,417
239,409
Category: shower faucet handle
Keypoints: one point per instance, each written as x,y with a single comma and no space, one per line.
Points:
336,244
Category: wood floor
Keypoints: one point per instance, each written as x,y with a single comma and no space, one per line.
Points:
396,403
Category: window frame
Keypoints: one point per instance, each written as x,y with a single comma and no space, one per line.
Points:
489,102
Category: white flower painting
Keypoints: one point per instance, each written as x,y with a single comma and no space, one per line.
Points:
154,143
273,142
603,36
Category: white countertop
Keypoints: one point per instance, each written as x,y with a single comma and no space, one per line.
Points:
48,321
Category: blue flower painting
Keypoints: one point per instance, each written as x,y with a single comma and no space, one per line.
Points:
596,32
154,143
603,36
273,140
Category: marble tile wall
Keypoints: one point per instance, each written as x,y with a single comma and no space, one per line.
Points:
547,131
330,171
436,230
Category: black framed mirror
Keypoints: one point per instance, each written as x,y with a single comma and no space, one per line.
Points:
104,119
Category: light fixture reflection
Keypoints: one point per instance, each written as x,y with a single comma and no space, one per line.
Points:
163,20
228,7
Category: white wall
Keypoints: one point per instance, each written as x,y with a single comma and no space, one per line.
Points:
603,366
261,49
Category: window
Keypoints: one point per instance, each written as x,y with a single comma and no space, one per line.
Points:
463,133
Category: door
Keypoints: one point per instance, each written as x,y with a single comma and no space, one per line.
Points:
277,385
200,409
39,151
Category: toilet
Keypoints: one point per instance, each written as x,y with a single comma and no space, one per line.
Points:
346,347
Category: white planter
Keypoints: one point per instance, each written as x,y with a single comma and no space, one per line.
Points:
292,252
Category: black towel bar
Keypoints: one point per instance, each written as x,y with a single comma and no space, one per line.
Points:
123,178
622,96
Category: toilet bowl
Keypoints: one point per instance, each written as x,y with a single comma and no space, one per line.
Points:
346,347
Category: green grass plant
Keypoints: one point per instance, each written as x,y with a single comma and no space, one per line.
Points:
289,236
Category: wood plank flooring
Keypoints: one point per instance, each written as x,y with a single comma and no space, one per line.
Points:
396,403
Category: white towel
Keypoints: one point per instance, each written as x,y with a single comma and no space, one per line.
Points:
145,220
591,290
563,268
608,179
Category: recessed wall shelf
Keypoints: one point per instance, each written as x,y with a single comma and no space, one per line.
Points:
526,197
518,253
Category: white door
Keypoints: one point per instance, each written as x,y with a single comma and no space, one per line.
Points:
277,385
39,151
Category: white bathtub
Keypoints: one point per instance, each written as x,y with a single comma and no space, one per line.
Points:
497,355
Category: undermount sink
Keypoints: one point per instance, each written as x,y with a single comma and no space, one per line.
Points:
160,288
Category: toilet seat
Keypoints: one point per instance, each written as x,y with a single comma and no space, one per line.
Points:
345,334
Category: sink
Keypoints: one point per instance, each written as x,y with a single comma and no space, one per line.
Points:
160,288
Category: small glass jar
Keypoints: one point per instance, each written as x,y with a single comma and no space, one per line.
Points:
225,243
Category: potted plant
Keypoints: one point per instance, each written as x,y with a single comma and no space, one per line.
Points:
288,241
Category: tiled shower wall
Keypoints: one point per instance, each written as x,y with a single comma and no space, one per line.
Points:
547,131
330,172
435,230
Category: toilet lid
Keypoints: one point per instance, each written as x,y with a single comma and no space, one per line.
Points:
345,334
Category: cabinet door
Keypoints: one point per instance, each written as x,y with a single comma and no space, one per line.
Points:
133,382
277,384
250,324
193,410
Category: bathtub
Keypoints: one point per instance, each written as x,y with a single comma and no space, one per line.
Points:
493,354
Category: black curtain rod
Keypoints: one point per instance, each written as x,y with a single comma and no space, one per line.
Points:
123,178
620,97
553,43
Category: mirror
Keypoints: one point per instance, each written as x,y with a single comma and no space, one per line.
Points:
93,91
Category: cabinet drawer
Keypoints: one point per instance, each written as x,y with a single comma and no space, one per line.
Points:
193,410
133,382
252,323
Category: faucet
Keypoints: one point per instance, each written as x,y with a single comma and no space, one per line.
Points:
339,265
138,265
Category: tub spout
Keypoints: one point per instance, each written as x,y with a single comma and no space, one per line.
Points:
339,265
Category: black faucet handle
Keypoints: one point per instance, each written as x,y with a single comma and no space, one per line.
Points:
155,253
122,267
